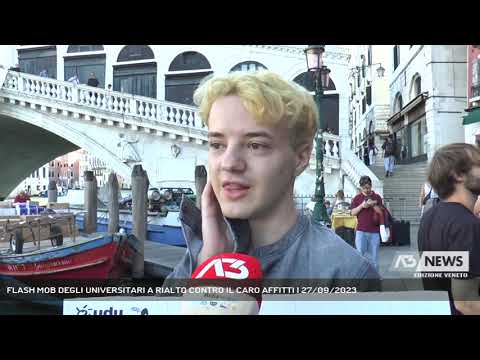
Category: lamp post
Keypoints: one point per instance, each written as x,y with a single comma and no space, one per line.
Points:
314,57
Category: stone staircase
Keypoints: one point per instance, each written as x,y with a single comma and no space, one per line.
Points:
402,190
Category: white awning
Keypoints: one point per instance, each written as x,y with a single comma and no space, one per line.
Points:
412,104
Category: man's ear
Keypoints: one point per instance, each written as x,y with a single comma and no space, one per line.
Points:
457,178
302,157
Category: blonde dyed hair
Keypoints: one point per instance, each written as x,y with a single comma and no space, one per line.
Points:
270,100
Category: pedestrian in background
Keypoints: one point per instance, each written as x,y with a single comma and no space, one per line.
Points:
22,197
74,80
92,80
367,236
366,159
372,153
388,156
329,208
428,198
339,202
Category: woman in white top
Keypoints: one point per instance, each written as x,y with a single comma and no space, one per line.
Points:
428,198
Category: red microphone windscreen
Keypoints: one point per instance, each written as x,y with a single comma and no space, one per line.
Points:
229,266
239,271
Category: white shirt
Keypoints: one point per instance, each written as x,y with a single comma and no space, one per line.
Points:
427,188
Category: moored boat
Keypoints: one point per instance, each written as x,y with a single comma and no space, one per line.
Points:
49,254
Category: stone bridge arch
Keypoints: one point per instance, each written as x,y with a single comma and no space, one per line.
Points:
29,139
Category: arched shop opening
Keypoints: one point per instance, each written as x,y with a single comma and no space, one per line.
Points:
34,61
185,73
249,66
82,60
138,76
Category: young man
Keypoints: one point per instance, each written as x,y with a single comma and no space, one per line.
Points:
450,225
388,156
367,236
261,130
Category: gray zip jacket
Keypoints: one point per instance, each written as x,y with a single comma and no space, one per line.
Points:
306,251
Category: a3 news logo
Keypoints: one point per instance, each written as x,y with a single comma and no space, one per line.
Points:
432,261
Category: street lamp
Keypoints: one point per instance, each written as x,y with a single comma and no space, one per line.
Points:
314,58
357,69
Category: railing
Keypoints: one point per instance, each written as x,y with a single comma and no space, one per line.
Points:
331,152
100,99
331,145
355,168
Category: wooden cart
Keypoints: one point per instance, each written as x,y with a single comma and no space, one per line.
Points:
18,230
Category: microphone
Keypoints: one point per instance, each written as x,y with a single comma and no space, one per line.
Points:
225,284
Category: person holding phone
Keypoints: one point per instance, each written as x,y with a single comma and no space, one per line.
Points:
367,235
260,137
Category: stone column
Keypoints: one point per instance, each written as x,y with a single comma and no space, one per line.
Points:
139,217
52,192
90,201
113,206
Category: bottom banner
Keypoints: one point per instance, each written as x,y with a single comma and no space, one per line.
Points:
412,303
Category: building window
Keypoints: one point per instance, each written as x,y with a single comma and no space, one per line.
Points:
137,79
248,66
396,56
368,91
417,86
398,105
358,80
34,61
186,72
135,52
417,136
369,55
84,48
363,66
84,65
476,78
364,105
44,173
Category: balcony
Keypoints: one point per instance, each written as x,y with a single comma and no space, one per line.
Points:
331,153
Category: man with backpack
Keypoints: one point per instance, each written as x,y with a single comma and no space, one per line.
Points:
388,156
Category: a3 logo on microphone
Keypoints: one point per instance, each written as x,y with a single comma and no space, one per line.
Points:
229,266
222,267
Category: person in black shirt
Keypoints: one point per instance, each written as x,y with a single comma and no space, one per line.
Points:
454,173
92,80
